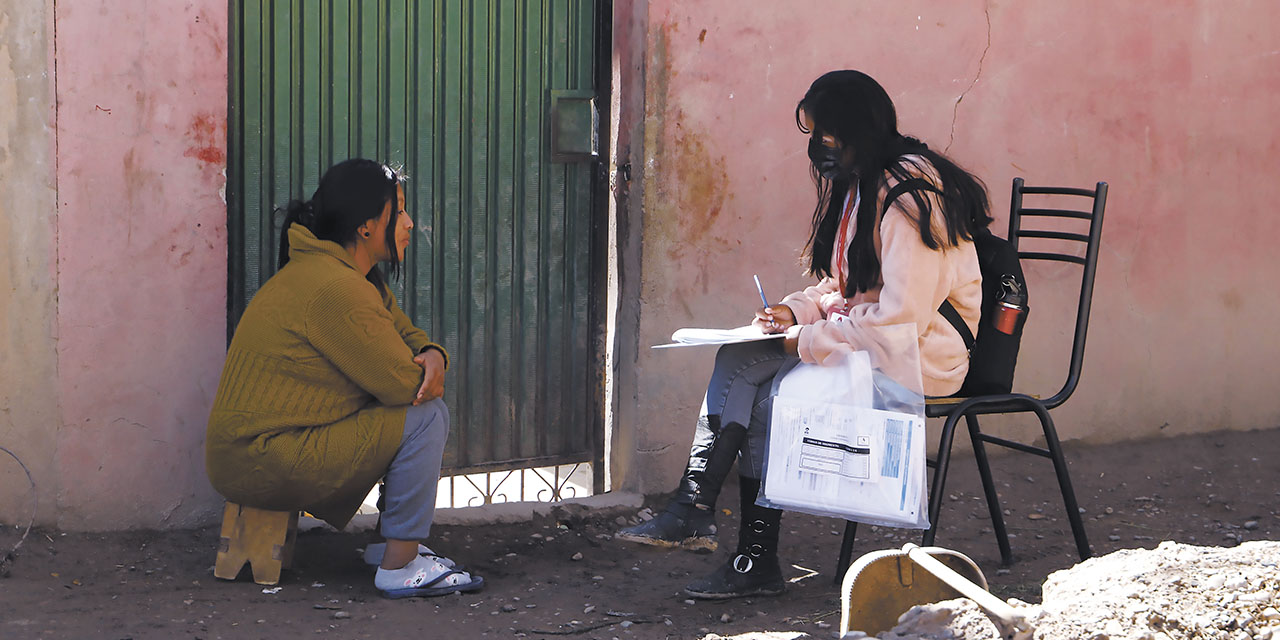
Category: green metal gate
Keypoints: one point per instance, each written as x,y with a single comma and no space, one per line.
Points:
468,96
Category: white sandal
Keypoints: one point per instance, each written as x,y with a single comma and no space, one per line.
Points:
431,578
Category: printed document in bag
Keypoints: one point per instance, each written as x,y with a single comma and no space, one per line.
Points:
853,458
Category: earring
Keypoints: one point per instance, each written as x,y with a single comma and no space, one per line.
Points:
366,234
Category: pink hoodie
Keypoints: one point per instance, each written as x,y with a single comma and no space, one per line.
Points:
914,280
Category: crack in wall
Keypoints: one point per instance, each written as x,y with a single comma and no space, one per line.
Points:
955,109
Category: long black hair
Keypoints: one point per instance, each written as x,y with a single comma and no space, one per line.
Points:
351,193
855,110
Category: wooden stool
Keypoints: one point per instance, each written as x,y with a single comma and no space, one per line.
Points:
262,538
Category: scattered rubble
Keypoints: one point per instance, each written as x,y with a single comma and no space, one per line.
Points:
1175,591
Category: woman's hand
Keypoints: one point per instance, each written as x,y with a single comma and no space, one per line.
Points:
775,319
432,363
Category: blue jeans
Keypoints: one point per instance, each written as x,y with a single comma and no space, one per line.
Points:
741,392
409,487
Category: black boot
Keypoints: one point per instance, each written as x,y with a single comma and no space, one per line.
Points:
754,570
689,520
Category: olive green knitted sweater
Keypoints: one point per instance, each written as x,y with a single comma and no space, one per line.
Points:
311,405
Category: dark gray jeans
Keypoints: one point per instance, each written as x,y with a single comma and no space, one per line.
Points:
740,391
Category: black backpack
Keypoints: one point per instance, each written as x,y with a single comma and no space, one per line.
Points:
994,353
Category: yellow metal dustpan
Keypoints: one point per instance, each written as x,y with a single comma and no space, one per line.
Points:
882,585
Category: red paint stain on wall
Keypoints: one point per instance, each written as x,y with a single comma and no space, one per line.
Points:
208,135
701,182
699,186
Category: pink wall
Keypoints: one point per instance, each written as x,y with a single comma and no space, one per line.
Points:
1172,104
141,127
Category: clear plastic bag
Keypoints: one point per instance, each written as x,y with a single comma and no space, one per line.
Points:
847,438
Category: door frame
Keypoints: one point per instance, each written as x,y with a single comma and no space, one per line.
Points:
598,313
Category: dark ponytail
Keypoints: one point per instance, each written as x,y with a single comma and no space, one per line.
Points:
296,211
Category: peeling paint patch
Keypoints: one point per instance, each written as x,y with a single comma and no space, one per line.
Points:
207,133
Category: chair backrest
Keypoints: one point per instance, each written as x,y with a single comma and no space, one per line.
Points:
1075,209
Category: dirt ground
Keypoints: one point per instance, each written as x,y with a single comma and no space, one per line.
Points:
563,575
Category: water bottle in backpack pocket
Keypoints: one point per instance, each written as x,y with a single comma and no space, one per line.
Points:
1011,305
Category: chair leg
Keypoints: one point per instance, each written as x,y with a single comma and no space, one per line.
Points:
989,488
940,477
1064,483
846,549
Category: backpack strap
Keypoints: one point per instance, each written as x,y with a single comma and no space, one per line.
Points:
903,187
947,310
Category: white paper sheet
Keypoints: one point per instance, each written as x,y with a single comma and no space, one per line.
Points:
690,337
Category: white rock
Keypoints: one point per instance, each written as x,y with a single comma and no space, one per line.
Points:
1114,629
1137,593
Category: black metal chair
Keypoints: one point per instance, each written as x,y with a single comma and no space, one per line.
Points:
970,408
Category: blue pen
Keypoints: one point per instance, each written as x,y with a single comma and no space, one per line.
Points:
772,323
761,290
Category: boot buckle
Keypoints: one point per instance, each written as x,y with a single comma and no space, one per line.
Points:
742,563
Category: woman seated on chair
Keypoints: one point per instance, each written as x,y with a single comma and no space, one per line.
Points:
873,270
329,387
